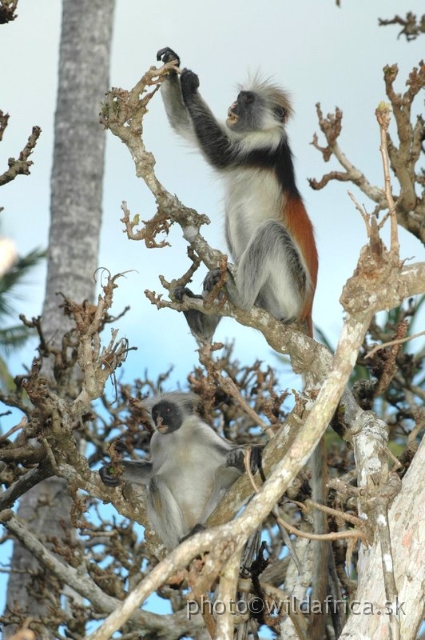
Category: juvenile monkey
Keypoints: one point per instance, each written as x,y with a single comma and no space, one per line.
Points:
189,471
268,231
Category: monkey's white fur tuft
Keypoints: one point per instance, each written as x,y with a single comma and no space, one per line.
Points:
272,94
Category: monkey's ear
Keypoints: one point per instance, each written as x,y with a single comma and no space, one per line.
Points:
280,113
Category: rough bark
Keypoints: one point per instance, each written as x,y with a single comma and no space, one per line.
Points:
76,211
406,516
77,174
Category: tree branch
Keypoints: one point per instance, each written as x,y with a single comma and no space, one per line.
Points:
169,626
22,165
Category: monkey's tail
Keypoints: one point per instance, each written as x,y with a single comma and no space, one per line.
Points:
324,575
249,628
321,549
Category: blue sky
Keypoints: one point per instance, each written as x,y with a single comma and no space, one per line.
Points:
319,52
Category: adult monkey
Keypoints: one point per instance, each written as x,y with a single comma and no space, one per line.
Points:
268,231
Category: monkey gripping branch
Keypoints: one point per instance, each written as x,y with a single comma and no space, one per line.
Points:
381,281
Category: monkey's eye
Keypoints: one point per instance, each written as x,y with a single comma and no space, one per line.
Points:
246,97
280,113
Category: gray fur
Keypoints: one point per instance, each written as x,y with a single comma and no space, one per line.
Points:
187,474
271,269
266,274
175,109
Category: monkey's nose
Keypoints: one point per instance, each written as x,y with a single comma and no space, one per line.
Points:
232,111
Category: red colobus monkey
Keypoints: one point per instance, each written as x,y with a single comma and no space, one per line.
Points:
189,470
268,231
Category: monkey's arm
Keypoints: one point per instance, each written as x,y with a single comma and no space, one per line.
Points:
176,110
227,473
236,458
212,137
135,471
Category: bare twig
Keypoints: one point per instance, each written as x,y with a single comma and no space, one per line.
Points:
227,384
409,208
21,425
383,116
80,581
7,12
397,341
412,27
22,165
372,228
331,127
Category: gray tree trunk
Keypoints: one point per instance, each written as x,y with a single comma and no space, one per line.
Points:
76,212
76,200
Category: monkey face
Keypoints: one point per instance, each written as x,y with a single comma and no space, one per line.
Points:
261,107
245,114
167,416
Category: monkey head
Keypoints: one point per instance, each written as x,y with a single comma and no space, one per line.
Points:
258,108
169,410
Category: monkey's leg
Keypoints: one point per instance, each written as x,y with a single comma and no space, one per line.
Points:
201,324
164,513
270,273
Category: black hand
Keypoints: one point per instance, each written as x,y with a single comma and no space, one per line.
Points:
107,476
189,83
166,55
197,321
211,279
180,292
256,458
236,458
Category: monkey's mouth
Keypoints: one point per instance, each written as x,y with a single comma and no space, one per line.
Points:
162,428
232,118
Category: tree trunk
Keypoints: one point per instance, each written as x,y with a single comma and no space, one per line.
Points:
76,211
76,200
370,620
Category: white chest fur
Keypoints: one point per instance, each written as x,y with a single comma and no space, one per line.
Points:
251,197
